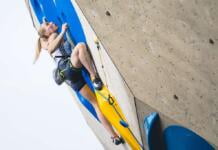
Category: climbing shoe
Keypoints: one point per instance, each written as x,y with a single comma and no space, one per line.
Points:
117,140
97,83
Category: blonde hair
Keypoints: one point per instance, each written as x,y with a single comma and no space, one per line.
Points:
38,48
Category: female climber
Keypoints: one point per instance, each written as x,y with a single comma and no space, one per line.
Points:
55,44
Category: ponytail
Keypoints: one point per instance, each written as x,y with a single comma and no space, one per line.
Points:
38,50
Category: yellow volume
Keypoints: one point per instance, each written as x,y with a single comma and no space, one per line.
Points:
112,111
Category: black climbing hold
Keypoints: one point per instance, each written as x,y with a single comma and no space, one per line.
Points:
176,97
211,41
108,13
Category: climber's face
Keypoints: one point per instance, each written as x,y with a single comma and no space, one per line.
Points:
49,28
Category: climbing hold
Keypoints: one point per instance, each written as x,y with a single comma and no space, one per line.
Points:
96,40
211,41
108,13
176,97
124,124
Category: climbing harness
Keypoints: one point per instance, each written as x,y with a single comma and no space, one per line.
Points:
63,65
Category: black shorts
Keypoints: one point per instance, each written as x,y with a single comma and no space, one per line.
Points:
73,76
